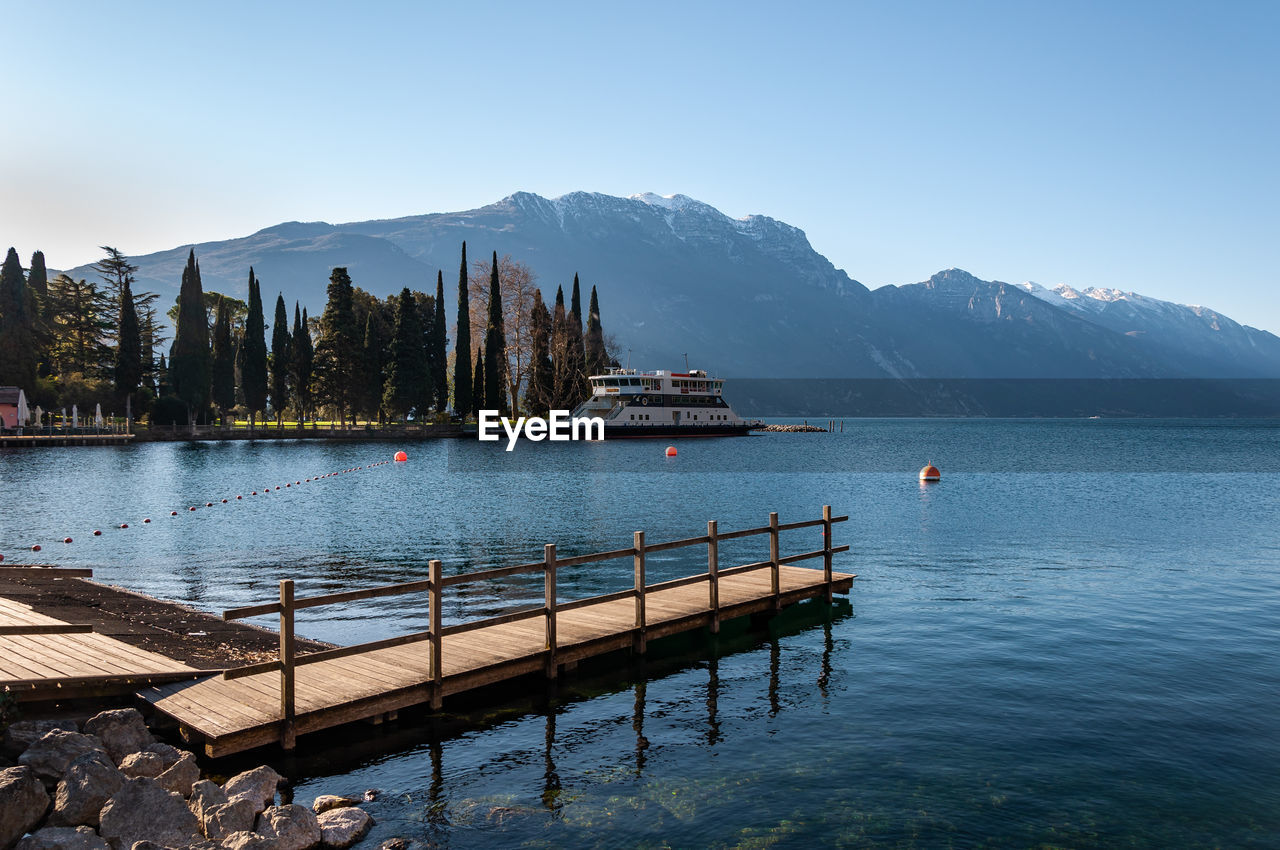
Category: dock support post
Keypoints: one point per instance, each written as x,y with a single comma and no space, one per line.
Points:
774,582
549,572
435,616
288,737
713,575
826,549
641,644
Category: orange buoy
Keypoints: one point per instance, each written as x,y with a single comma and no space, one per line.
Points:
671,451
35,548
66,540
930,473
401,457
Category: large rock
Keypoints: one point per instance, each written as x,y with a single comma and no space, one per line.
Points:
205,795
325,802
23,802
21,734
290,827
340,828
50,756
149,765
181,776
63,838
143,811
223,821
123,731
258,785
89,782
247,841
169,756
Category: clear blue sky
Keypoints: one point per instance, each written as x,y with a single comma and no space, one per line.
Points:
1132,145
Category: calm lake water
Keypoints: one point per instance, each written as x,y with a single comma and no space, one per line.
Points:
1071,641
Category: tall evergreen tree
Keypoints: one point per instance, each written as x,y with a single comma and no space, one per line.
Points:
438,353
495,348
541,388
281,360
189,360
38,279
373,368
407,373
561,351
115,271
575,303
17,327
477,382
38,287
223,383
597,358
253,353
79,324
578,388
303,362
463,384
128,371
338,349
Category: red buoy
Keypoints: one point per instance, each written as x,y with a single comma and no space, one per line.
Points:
148,519
97,533
1,557
173,513
224,501
930,473
671,451
124,525
192,508
239,497
208,504
35,548
66,540
401,457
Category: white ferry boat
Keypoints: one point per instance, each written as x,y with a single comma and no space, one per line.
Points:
662,404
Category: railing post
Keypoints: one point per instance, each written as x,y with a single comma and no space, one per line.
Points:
713,575
435,615
826,548
774,582
549,573
288,737
638,543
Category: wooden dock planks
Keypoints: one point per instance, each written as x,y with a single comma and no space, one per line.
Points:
240,714
65,666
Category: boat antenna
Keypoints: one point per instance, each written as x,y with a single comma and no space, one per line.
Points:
628,359
686,361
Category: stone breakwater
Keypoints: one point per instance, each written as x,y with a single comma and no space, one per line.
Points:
793,429
110,785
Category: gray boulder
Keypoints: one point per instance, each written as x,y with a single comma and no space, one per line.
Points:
149,765
50,756
23,802
221,822
179,778
143,811
290,827
247,841
258,785
169,756
89,782
341,828
123,731
205,795
21,734
63,838
325,802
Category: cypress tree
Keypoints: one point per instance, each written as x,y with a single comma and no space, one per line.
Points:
439,348
339,346
38,280
303,362
17,327
477,400
128,371
560,353
495,348
371,377
281,361
189,360
576,386
463,385
38,288
575,305
541,389
406,365
597,358
253,353
223,384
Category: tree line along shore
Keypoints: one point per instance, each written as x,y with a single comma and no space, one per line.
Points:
71,342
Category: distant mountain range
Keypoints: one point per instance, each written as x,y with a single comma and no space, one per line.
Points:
745,297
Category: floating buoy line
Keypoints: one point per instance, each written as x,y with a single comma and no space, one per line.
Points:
399,457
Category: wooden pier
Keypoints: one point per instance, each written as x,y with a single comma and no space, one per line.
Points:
42,658
275,701
30,441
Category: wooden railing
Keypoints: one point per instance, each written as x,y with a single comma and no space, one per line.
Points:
288,661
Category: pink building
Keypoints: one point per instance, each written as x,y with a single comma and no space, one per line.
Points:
13,407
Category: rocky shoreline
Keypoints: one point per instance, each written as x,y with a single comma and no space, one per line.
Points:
108,784
793,429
